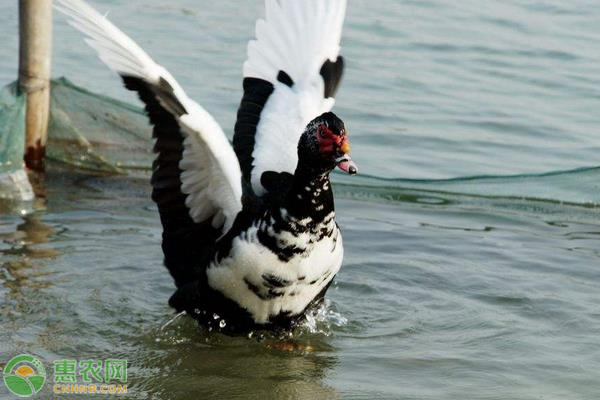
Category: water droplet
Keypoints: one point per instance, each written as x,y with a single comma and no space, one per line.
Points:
216,316
222,323
250,334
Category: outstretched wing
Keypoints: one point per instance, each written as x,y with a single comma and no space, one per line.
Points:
291,76
196,177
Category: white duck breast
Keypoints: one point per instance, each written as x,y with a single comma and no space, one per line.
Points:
259,281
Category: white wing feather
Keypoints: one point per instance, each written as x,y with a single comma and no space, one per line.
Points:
297,37
211,174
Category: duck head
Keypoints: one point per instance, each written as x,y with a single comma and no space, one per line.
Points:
324,145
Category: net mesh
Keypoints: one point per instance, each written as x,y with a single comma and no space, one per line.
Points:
12,126
95,132
86,130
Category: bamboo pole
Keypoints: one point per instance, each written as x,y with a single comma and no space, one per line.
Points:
35,48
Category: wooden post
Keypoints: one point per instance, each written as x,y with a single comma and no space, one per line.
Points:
35,47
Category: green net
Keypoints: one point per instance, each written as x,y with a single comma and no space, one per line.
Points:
12,126
95,132
13,180
86,130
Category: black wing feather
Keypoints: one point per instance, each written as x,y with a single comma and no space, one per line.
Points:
332,75
186,244
256,93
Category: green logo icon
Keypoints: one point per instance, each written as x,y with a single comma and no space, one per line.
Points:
24,375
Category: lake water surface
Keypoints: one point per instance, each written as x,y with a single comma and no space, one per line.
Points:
472,236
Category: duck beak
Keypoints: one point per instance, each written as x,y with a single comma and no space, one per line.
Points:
346,164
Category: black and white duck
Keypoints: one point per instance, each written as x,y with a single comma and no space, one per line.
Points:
249,231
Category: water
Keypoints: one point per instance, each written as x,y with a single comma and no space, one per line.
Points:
472,265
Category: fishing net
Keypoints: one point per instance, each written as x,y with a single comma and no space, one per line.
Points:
98,133
86,130
13,180
12,123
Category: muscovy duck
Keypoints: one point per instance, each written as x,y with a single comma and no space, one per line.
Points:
249,233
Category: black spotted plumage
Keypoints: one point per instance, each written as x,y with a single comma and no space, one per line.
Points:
188,245
249,232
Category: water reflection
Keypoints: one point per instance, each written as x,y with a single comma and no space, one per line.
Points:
20,248
24,273
184,362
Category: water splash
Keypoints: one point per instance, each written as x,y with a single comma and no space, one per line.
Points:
172,320
323,320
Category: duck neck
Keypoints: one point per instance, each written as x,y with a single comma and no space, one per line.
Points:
310,196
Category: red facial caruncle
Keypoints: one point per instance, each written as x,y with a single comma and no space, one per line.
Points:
337,145
329,142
